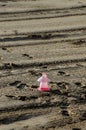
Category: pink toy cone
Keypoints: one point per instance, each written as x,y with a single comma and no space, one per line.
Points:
43,83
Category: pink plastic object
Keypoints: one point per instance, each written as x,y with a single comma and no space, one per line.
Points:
43,83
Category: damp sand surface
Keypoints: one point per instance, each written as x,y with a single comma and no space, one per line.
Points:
42,36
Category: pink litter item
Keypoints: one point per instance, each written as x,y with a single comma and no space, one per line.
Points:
43,83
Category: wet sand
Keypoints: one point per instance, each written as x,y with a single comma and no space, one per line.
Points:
42,36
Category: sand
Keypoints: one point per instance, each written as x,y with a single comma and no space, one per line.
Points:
42,36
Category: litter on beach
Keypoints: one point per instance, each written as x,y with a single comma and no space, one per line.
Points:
43,83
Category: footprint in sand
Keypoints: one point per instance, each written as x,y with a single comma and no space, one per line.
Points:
15,83
65,113
76,129
27,56
35,73
78,84
19,85
3,5
62,73
22,86
6,49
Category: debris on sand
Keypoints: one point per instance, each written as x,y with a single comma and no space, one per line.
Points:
44,83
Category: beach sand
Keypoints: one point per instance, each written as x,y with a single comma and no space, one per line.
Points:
42,36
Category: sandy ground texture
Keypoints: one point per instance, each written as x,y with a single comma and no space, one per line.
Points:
42,36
